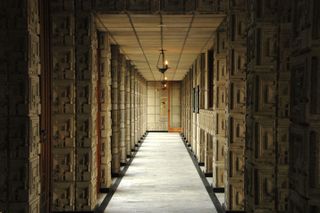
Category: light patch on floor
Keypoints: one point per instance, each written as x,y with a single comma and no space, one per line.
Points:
161,178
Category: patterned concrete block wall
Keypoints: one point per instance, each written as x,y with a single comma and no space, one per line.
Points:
268,82
220,106
136,103
105,106
63,105
20,107
132,101
115,146
74,44
189,105
199,133
236,24
183,105
144,106
304,157
201,73
128,108
139,106
128,94
121,109
196,69
207,125
86,108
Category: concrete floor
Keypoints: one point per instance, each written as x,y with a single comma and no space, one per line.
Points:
162,178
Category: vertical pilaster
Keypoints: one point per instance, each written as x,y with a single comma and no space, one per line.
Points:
208,153
304,133
195,92
136,108
122,112
236,109
219,108
86,108
63,105
20,107
115,163
190,111
267,113
105,107
132,101
202,72
128,108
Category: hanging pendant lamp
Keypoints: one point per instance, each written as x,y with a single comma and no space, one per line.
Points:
162,63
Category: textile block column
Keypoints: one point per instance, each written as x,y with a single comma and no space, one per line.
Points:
236,110
219,108
105,107
128,108
20,107
86,108
304,133
115,57
63,105
121,109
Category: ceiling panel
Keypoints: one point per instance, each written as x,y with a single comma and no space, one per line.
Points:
184,37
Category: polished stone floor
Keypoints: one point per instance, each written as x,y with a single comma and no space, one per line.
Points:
161,178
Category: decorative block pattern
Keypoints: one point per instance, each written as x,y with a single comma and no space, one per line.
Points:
268,107
303,108
63,105
20,107
86,175
105,109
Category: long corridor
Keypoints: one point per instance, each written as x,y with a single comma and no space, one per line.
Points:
161,178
